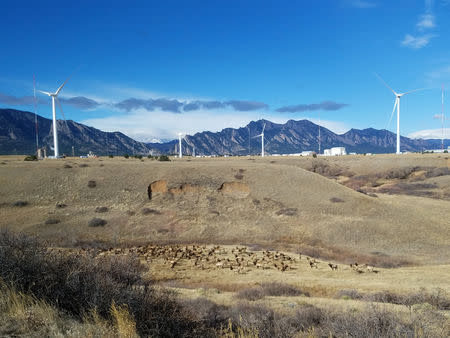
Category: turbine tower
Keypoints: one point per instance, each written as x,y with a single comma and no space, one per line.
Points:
262,140
442,119
54,97
180,153
397,105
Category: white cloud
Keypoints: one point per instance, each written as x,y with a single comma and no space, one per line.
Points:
361,3
426,21
144,126
439,75
430,134
416,42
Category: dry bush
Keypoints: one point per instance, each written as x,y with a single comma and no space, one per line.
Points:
67,166
79,283
239,176
97,222
414,189
83,165
92,184
348,294
437,298
101,209
372,322
207,312
435,172
52,220
336,200
148,211
250,294
398,173
61,205
20,204
282,289
321,167
287,212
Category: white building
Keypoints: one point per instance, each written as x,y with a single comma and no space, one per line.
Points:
335,151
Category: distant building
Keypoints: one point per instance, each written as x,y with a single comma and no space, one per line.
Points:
335,151
307,153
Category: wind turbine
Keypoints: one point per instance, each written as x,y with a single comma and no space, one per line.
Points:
180,153
397,105
262,140
54,97
442,118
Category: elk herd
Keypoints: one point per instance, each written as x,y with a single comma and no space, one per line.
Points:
238,259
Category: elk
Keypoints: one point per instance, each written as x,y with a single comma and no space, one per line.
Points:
333,267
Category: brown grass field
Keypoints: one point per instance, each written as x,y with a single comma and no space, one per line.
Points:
389,212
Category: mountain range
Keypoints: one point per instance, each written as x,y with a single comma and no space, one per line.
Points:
18,136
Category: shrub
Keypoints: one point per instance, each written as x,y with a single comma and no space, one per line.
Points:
61,205
83,165
287,212
97,222
164,158
111,156
52,220
435,172
399,173
31,158
80,284
281,289
92,184
101,209
348,294
250,294
67,166
126,155
138,156
148,211
336,200
20,204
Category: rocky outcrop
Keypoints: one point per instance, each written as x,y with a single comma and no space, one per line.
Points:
235,189
157,187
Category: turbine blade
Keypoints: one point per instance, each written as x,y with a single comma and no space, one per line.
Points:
61,87
393,110
46,93
264,127
62,113
383,82
415,90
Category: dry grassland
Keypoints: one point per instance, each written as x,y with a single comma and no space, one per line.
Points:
390,212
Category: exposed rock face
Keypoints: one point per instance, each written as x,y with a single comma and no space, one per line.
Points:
185,188
158,187
235,189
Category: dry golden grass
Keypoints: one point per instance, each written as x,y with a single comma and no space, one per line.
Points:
22,315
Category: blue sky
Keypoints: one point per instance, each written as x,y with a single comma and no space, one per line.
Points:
154,68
